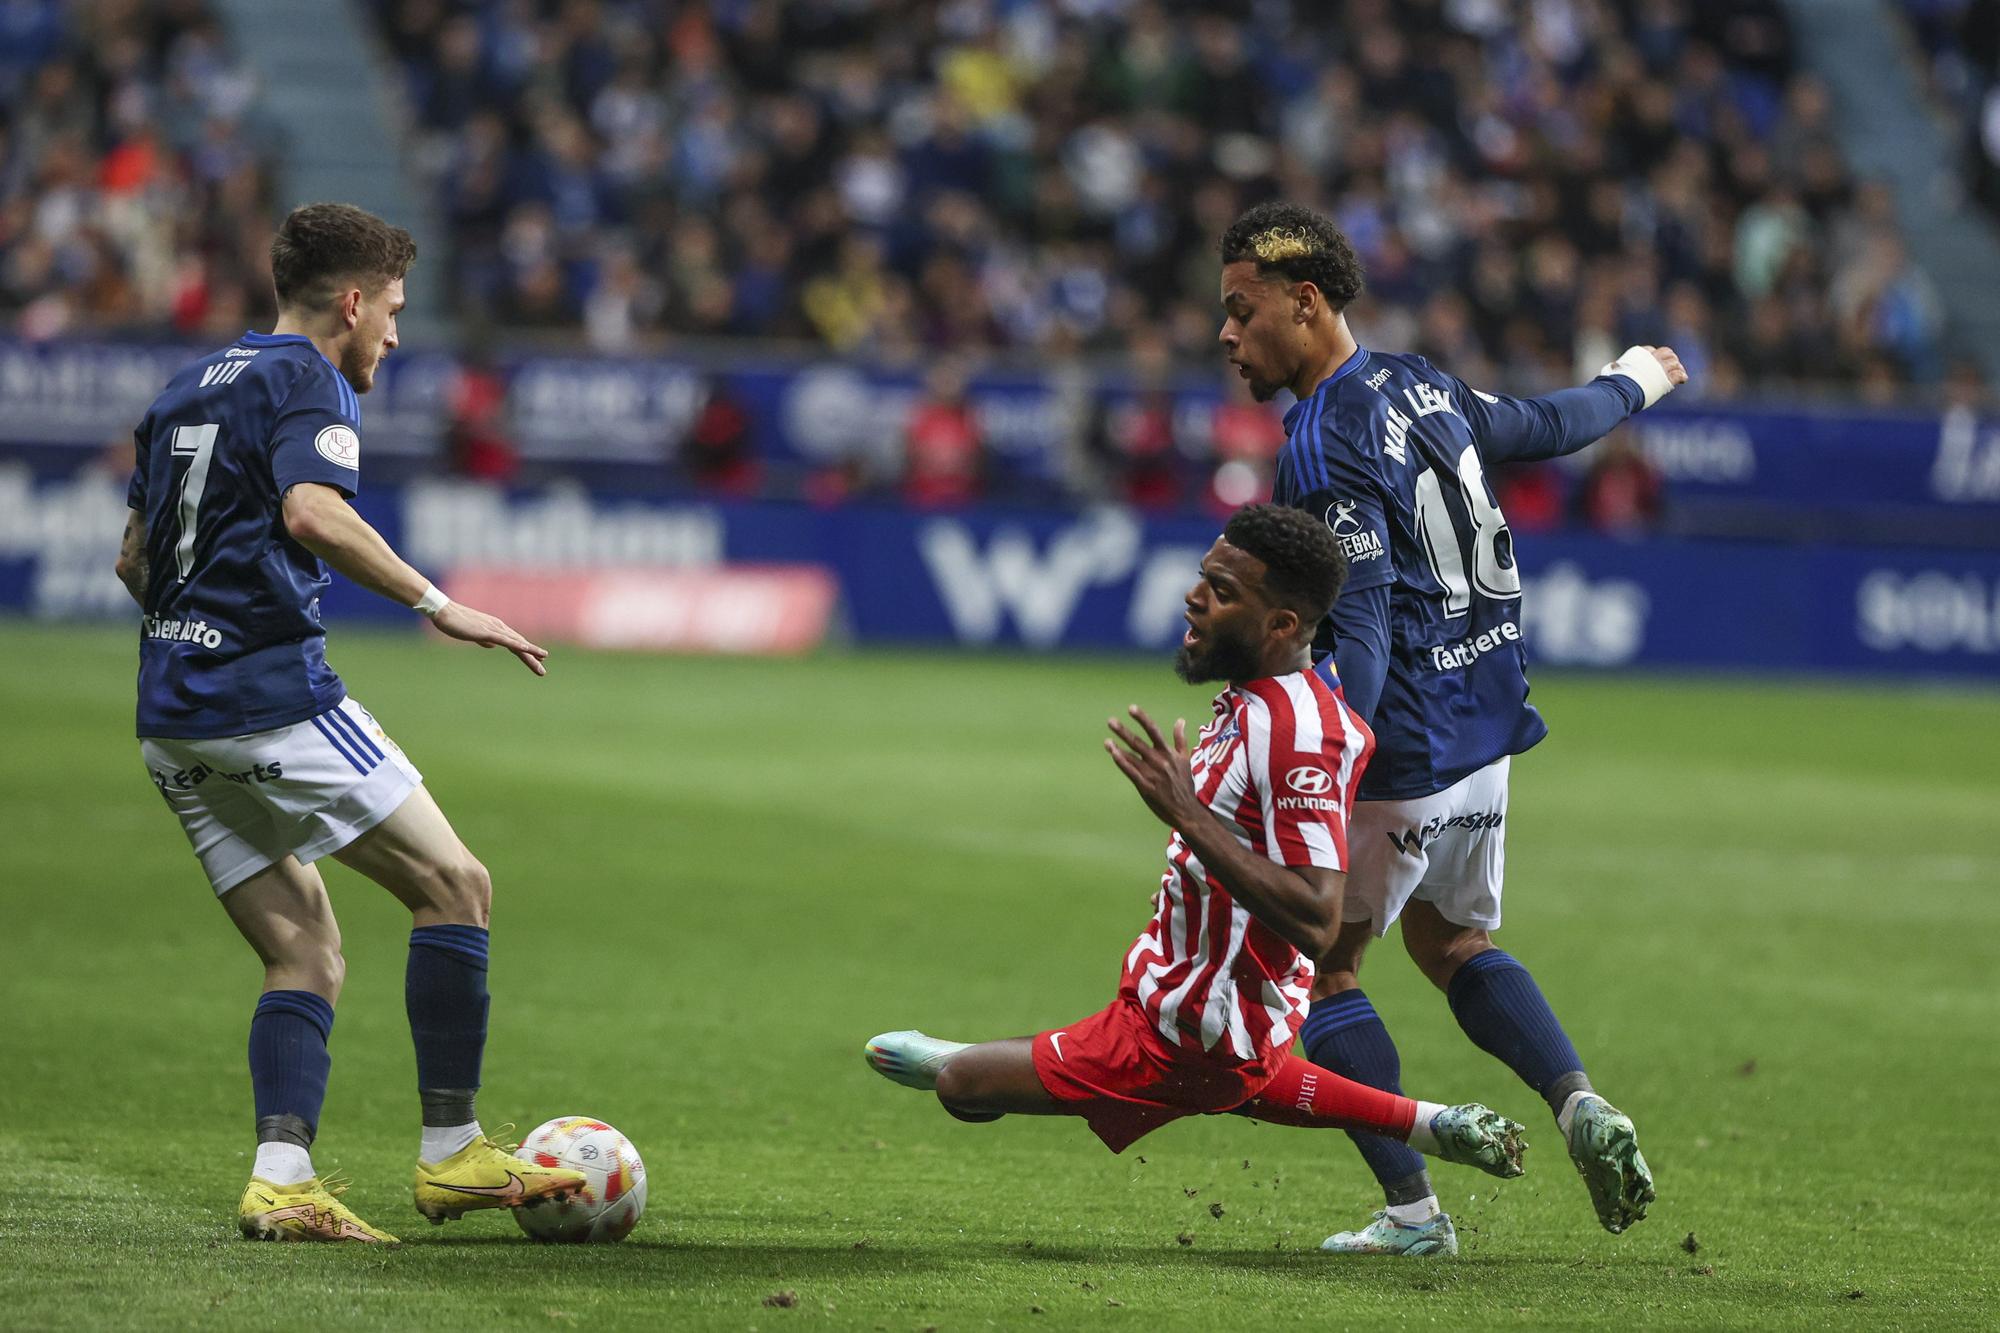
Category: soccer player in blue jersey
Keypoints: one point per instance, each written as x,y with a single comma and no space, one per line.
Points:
1426,641
239,501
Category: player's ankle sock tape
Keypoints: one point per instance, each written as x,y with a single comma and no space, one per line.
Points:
289,1062
285,1129
1563,1090
1411,1191
1501,1008
444,992
449,1108
1345,1034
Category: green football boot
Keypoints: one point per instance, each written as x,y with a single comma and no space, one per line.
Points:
1605,1148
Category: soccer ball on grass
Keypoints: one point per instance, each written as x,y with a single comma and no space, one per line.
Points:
613,1196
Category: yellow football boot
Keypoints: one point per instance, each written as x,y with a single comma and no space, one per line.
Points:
486,1174
309,1210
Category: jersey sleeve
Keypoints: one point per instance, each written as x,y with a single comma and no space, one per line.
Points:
318,434
1353,500
1297,775
1361,648
135,491
1526,430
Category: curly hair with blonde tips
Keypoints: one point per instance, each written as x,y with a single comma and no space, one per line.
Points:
1298,245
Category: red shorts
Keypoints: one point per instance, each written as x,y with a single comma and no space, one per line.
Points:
1126,1080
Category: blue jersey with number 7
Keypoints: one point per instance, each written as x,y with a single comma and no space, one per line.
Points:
231,642
1391,452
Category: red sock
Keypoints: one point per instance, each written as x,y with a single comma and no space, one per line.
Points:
1309,1097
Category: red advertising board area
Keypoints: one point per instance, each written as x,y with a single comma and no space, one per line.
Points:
751,609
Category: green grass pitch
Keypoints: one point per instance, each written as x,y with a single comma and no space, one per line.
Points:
1769,915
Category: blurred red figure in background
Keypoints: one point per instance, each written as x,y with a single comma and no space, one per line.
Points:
1247,436
1531,497
476,436
1621,494
1140,434
943,447
717,450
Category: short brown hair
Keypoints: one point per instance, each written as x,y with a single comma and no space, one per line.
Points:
322,245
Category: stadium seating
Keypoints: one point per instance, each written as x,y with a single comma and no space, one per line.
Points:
135,191
1532,187
1961,41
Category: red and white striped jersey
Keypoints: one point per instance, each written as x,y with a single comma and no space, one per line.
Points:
1279,766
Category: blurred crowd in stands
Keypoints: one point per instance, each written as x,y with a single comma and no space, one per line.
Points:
1152,440
135,193
1532,185
1961,40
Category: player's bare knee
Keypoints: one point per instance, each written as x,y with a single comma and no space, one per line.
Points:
473,890
305,960
332,968
1334,982
1439,954
457,888
1342,960
316,958
1340,965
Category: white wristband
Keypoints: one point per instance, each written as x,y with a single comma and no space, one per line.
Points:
1643,369
431,602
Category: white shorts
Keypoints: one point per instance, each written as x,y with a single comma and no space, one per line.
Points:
1448,848
248,802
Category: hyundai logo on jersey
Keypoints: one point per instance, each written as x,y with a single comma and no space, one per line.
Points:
1309,781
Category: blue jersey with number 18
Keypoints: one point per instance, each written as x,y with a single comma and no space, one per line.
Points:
231,641
1390,450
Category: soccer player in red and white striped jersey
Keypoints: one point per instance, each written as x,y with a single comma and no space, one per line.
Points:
1278,765
1215,988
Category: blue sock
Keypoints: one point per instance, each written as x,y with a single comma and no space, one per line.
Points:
289,1064
1343,1033
1502,1010
444,990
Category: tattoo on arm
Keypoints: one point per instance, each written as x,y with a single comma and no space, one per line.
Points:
132,571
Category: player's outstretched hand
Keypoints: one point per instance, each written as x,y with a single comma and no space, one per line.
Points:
1656,370
1676,372
1157,769
460,621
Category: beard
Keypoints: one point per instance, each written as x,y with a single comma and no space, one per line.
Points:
1263,390
357,367
1217,658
